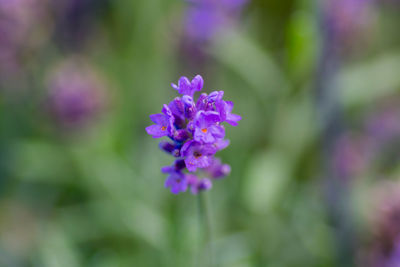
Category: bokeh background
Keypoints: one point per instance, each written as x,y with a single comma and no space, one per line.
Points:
315,175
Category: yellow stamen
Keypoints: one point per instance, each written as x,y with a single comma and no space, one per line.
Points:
163,128
204,130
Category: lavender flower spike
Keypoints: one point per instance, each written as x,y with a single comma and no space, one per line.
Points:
196,131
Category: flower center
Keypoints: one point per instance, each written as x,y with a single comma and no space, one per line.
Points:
197,154
204,130
163,128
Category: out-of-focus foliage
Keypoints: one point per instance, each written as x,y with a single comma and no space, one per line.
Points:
80,180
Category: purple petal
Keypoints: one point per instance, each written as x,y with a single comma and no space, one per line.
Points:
201,136
176,107
221,109
215,96
177,182
232,119
201,102
212,117
167,169
185,86
217,131
218,170
190,163
204,184
185,148
191,179
181,135
229,106
158,119
167,111
156,131
167,147
197,83
221,144
208,138
208,149
169,181
176,87
202,162
198,135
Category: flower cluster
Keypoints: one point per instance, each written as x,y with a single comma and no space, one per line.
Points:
197,133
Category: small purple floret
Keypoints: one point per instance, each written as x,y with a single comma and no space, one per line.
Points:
225,108
177,182
197,155
164,123
196,131
186,87
207,127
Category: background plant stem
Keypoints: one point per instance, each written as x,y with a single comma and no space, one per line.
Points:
206,253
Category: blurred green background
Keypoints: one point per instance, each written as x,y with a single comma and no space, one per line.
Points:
316,82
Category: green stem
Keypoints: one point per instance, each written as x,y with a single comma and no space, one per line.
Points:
206,256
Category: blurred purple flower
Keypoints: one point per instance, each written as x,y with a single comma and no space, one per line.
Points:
199,185
375,143
348,21
384,248
205,18
20,21
76,94
76,19
350,156
394,258
197,134
177,182
383,125
218,170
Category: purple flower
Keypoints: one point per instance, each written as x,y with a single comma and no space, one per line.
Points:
225,108
201,185
20,21
347,21
76,94
163,123
177,182
178,111
197,155
178,166
185,87
207,129
189,107
394,259
206,18
218,170
76,20
196,132
221,144
197,185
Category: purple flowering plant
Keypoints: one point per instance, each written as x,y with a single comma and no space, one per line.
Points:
196,133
